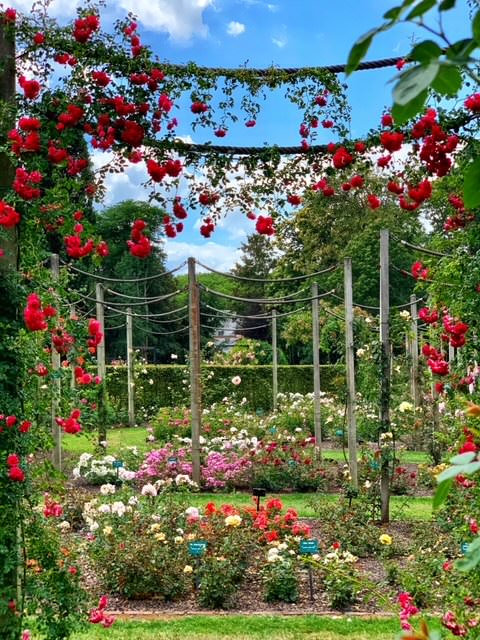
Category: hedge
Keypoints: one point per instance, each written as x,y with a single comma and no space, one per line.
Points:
168,385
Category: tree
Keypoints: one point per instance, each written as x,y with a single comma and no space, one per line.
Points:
325,231
257,261
149,335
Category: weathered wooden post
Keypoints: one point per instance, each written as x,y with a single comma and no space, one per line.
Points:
350,373
317,420
195,379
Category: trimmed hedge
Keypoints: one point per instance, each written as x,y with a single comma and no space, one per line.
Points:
168,385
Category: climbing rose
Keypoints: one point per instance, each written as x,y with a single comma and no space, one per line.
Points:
374,202
16,474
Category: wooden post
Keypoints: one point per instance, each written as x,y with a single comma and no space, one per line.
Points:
385,370
130,370
274,360
101,366
57,384
350,374
317,420
195,380
414,370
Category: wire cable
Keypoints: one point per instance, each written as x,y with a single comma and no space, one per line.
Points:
119,326
415,247
235,333
262,316
97,276
266,280
273,301
161,333
147,301
356,304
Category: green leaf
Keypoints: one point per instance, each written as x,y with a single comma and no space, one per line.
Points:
471,185
359,50
441,493
393,13
361,46
421,8
464,458
469,562
403,113
425,51
464,469
460,51
476,26
414,81
446,5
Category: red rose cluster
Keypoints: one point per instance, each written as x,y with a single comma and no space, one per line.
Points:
15,471
36,316
70,424
139,244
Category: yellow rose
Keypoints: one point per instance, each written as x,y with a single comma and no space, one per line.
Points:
233,521
187,569
385,539
160,536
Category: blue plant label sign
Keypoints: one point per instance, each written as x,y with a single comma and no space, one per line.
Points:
172,460
292,463
197,548
339,433
309,547
117,464
464,547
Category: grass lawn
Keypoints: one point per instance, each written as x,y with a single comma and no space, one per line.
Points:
245,627
412,508
259,627
418,508
135,436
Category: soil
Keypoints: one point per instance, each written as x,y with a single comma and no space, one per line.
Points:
249,598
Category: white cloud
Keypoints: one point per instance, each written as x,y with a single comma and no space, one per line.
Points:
235,28
58,8
280,42
181,19
215,255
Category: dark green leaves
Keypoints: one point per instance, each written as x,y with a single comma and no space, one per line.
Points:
441,493
476,27
421,8
403,113
471,185
448,81
359,49
446,5
414,81
425,51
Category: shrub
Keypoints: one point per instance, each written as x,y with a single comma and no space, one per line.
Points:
280,580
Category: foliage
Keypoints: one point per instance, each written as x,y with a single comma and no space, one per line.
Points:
170,384
439,66
280,580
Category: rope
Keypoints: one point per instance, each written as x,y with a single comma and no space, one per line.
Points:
161,333
125,313
407,273
266,300
171,320
356,304
421,249
332,313
261,316
119,326
147,301
240,329
266,280
105,279
289,71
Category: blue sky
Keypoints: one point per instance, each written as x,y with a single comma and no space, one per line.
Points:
261,33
